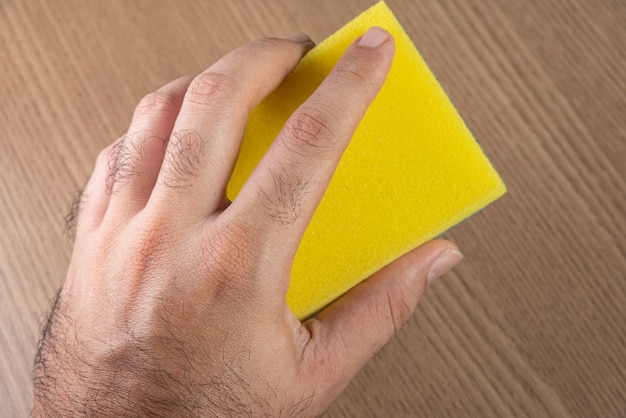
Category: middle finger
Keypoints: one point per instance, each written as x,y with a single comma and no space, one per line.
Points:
207,134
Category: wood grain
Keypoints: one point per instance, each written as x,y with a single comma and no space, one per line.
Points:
532,323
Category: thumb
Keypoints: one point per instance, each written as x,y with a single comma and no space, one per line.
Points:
352,329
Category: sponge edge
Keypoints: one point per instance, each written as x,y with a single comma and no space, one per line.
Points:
411,171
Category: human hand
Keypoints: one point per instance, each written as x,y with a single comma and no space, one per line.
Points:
174,301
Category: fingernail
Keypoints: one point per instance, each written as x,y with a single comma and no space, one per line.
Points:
301,38
443,264
374,37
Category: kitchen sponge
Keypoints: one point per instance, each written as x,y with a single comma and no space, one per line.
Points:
411,171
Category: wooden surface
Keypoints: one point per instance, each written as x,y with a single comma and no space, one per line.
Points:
532,323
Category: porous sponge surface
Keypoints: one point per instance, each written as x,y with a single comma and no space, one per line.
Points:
411,171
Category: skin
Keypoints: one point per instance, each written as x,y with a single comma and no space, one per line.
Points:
174,301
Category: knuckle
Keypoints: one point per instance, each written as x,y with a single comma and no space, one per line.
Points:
360,72
212,86
307,133
396,309
352,72
268,43
284,202
157,102
183,158
123,160
392,308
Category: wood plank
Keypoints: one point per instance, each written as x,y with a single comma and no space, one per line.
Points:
530,324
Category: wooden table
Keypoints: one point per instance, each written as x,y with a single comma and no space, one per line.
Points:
532,323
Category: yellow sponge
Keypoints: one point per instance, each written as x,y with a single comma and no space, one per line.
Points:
411,171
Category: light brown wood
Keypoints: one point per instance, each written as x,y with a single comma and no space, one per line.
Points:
532,323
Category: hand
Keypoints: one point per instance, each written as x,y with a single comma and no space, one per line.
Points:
174,302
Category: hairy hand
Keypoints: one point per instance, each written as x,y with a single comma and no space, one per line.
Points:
174,301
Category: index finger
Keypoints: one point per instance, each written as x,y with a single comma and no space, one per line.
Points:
281,195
